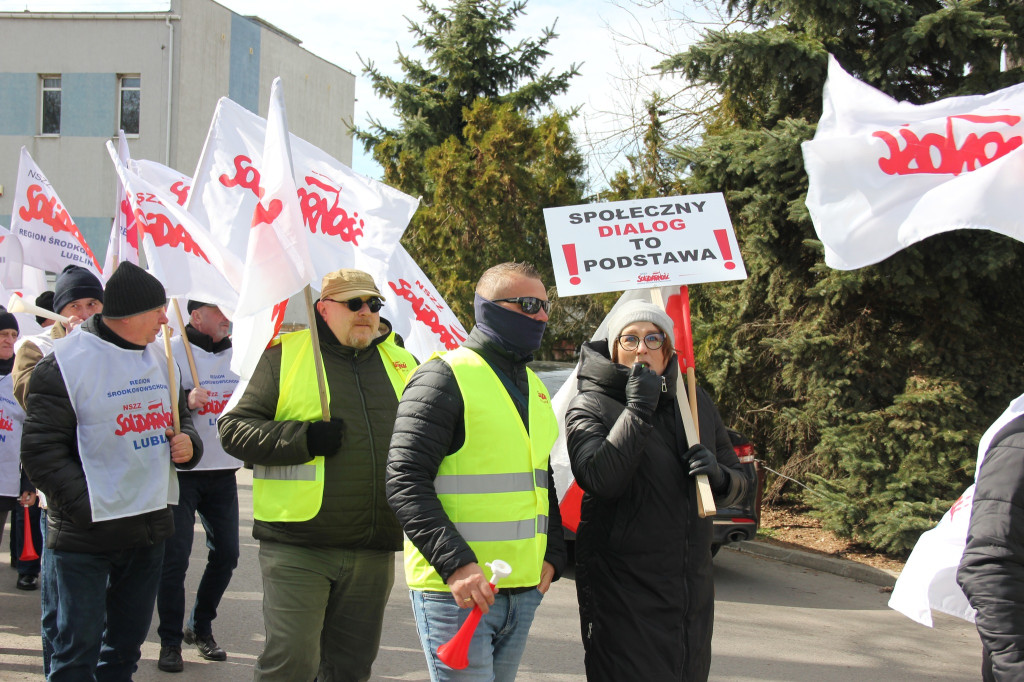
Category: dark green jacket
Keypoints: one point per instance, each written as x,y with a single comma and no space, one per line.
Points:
354,512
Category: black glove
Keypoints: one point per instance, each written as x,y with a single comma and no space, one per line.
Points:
324,438
703,461
643,390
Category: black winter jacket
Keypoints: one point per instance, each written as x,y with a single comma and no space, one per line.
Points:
49,453
643,556
430,426
992,568
354,512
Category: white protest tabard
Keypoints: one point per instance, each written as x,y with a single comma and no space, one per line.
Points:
885,174
183,255
49,238
351,221
642,243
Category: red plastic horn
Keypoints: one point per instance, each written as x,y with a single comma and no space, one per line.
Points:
28,549
455,652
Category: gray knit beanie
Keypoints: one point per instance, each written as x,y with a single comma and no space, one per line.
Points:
638,311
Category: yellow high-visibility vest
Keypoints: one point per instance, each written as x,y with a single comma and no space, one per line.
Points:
295,492
495,487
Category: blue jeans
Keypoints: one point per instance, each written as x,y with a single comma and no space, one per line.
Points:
117,588
47,596
497,645
214,496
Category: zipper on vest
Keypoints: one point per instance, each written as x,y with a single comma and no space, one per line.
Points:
373,449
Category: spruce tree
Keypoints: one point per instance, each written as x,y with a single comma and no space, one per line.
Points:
874,384
478,140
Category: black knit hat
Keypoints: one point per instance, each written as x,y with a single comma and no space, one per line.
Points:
8,321
74,283
132,291
45,301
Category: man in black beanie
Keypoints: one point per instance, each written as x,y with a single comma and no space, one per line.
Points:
98,422
16,493
77,295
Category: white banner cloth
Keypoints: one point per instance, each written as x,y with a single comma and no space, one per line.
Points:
928,580
885,174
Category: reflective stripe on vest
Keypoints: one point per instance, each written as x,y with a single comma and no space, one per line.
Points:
494,488
295,492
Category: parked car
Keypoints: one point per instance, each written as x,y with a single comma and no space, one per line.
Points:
740,522
731,524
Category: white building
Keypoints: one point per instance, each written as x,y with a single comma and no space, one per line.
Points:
69,81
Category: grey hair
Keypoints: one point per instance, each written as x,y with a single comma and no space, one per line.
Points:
496,281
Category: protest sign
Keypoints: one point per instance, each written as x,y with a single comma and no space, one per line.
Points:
642,243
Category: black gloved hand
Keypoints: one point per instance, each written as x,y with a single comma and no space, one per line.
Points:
643,390
324,438
703,461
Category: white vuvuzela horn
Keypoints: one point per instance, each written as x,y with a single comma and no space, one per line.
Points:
18,305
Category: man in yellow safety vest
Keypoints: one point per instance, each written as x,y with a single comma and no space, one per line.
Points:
327,537
469,479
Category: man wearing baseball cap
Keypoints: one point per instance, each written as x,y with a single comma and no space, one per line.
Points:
99,423
327,536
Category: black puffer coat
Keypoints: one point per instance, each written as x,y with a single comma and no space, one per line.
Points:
992,568
49,453
430,426
643,556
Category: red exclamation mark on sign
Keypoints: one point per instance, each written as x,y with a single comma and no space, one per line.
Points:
570,259
723,243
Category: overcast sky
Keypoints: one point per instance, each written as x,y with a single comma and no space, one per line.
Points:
601,35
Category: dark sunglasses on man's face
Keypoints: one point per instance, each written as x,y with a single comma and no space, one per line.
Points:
529,304
356,304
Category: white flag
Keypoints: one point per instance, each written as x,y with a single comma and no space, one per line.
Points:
885,174
49,238
416,310
123,240
928,580
351,221
180,251
277,261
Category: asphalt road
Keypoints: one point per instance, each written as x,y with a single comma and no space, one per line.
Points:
774,621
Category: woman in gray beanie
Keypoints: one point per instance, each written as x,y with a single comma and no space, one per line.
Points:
643,556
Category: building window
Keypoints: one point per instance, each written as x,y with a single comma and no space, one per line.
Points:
50,123
131,94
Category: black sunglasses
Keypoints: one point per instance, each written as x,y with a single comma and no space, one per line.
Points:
356,304
529,304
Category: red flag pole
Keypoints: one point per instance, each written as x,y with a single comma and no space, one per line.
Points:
678,308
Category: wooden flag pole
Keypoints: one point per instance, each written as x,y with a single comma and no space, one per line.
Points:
705,497
172,380
318,362
188,344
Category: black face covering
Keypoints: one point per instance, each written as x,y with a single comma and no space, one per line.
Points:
516,332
